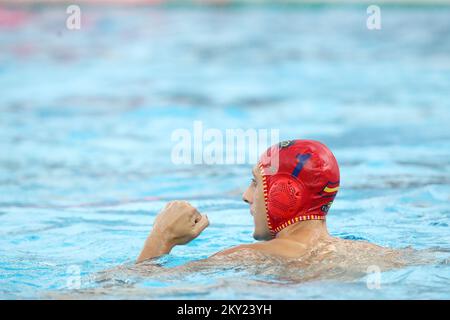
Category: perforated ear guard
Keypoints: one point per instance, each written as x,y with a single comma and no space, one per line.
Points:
285,197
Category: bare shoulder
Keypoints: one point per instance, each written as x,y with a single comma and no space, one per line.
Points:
284,248
276,247
358,244
257,247
341,246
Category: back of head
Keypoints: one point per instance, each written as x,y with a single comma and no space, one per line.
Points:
300,181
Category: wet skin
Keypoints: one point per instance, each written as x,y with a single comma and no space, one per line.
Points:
179,223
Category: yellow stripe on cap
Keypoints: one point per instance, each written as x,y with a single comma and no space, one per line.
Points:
330,189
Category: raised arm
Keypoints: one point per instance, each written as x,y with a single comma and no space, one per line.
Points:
178,223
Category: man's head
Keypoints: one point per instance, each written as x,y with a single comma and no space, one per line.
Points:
293,181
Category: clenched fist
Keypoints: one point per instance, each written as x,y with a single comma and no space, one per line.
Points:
178,223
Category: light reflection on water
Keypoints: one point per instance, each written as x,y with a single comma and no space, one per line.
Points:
87,118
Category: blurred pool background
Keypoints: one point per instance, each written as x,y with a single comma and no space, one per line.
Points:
87,116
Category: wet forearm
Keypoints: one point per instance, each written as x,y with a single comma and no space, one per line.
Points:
154,246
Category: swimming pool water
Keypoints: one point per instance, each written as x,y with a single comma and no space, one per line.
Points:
86,123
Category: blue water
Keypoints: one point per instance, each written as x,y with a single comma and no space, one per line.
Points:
85,139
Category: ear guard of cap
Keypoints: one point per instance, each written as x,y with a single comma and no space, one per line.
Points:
284,199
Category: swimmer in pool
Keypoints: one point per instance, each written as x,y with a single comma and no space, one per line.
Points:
293,187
